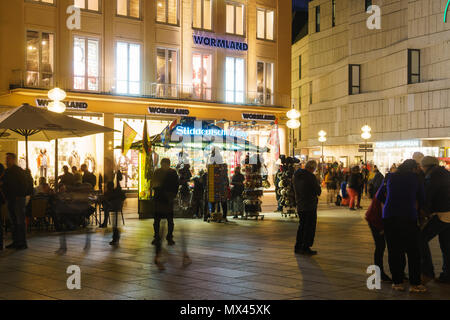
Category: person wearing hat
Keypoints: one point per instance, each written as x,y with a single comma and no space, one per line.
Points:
437,210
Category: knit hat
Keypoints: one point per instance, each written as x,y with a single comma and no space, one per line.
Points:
430,161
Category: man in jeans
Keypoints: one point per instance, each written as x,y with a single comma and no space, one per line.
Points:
437,206
15,191
307,192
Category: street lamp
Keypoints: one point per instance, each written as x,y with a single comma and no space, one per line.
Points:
366,135
322,139
293,124
57,95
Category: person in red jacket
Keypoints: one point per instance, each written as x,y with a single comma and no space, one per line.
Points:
374,217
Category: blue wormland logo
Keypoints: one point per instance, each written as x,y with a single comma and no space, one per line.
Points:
446,11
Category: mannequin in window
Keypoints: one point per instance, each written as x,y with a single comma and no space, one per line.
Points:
42,163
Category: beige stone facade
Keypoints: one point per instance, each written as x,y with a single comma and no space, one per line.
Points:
394,109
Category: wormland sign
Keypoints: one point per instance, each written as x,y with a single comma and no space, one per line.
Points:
220,43
168,111
72,105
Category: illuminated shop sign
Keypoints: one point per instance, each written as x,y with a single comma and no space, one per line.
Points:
73,105
169,111
261,117
189,131
398,144
220,43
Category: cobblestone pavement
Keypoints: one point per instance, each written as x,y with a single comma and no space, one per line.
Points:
237,260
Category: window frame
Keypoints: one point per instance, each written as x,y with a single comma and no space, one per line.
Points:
100,3
310,92
272,94
266,10
244,24
128,10
202,28
167,14
86,75
350,79
244,81
40,32
300,67
317,18
129,43
333,13
410,73
203,95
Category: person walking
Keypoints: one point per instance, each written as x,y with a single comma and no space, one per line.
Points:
197,196
237,189
15,189
88,177
165,184
354,186
404,193
437,209
331,183
376,182
307,191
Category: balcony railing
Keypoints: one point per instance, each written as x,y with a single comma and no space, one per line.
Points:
151,90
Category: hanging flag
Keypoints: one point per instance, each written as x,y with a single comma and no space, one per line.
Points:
274,140
128,136
165,135
147,146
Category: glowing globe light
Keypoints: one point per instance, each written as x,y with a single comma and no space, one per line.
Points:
56,106
293,124
56,94
293,114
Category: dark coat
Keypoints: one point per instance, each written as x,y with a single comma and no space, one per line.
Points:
237,181
89,177
14,183
437,190
355,181
165,184
307,190
375,184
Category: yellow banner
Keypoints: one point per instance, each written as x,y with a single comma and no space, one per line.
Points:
128,136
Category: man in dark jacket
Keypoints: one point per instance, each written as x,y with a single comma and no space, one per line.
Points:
88,177
375,182
165,184
307,192
437,208
15,189
197,195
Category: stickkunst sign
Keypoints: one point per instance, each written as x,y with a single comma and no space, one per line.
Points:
220,43
188,131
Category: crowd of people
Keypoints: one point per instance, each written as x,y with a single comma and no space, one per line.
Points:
409,207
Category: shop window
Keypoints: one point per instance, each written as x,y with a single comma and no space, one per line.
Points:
367,4
44,1
86,56
265,82
201,73
202,14
128,68
333,13
354,76
167,72
235,18
265,24
318,19
234,80
91,5
167,11
40,59
413,66
129,8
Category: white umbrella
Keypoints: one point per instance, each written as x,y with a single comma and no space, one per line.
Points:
38,124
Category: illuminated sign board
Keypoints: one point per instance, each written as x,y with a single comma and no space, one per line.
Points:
261,117
220,43
169,111
72,105
215,132
398,144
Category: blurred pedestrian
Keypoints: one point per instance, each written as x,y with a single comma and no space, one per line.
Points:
404,195
354,187
375,183
331,183
15,189
437,209
237,189
197,196
88,177
307,192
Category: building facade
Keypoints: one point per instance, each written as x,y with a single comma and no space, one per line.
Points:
395,79
160,59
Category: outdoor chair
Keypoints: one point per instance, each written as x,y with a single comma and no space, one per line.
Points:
39,212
